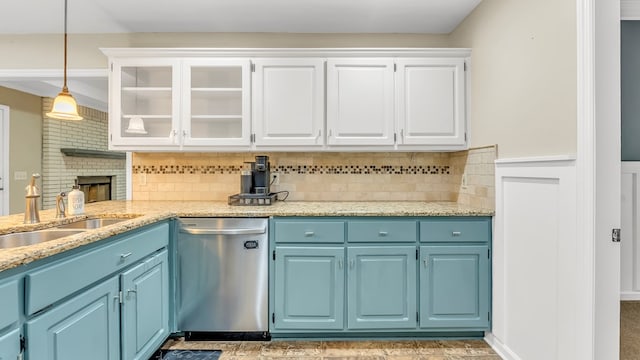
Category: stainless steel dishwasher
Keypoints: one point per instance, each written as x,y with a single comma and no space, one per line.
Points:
223,278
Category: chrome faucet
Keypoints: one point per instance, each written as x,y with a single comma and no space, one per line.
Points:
31,215
60,208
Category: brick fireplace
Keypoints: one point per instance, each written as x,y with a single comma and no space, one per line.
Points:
79,149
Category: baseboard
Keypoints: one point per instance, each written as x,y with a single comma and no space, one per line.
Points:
629,296
500,348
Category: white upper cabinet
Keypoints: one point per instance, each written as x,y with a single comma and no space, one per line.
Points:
288,99
160,103
288,102
144,104
431,102
216,102
360,101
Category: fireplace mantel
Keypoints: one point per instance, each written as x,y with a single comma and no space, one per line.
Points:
93,153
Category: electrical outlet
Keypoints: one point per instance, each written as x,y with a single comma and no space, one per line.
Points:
275,178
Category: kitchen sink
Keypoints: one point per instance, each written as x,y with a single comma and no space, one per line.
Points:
33,237
92,223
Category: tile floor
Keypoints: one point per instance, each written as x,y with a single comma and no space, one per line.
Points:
345,350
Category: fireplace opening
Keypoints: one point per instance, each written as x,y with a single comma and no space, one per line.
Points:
96,188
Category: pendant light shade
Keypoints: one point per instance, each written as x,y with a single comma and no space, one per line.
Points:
64,105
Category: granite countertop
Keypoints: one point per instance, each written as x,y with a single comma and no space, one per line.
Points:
140,213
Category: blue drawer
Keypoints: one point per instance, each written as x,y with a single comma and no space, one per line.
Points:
455,230
9,308
55,281
309,231
374,231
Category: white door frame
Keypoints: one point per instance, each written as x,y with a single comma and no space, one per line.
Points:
598,185
4,182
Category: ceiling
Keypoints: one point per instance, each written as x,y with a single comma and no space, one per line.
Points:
292,16
308,16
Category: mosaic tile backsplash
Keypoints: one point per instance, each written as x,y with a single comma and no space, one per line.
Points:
319,176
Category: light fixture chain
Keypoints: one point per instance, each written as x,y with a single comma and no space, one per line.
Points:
64,86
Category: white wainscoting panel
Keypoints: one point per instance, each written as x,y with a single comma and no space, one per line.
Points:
535,263
629,221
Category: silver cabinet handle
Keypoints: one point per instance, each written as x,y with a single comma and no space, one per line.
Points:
309,233
456,233
339,263
426,262
352,264
129,291
184,133
124,256
254,231
383,233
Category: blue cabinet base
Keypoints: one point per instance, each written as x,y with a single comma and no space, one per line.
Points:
352,335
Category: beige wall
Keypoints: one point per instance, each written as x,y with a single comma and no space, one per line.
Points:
523,76
25,142
45,51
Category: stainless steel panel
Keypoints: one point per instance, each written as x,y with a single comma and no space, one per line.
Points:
223,275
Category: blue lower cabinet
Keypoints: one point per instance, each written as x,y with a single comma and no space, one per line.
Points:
85,327
145,307
454,287
308,288
381,287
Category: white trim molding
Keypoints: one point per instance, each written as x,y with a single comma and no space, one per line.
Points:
535,268
630,9
4,182
630,243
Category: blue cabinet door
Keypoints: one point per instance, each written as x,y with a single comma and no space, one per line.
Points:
10,345
381,287
85,327
454,287
145,307
309,288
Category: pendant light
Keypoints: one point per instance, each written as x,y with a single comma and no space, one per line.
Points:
64,105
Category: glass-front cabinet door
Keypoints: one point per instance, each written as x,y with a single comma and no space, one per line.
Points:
216,102
144,111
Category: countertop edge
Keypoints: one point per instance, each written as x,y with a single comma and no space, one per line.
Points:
145,213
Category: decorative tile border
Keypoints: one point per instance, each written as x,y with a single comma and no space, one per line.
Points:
299,169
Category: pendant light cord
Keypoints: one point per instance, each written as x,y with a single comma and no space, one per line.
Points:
64,86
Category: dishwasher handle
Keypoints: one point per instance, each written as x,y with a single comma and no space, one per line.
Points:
206,231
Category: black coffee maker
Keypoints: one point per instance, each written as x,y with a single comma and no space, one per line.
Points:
254,184
260,173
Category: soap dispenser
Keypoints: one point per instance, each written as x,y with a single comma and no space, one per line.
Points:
75,200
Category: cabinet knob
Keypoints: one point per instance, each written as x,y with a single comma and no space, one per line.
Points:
383,233
340,264
456,233
426,262
124,256
309,233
